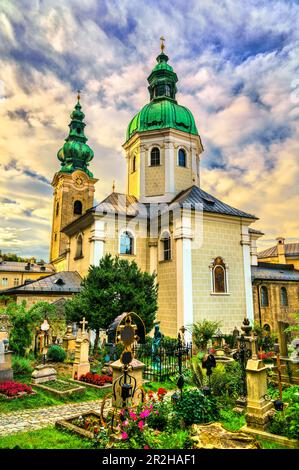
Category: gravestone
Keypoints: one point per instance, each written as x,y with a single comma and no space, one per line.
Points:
69,342
81,363
258,409
6,372
42,374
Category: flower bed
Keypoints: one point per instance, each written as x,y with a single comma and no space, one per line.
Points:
60,387
96,379
15,389
266,355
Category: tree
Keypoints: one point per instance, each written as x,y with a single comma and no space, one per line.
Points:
24,321
21,334
203,331
114,287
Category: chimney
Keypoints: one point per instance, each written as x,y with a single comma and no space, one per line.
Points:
281,253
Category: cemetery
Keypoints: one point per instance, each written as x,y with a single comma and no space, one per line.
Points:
86,380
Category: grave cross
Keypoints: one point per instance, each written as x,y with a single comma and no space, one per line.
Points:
83,322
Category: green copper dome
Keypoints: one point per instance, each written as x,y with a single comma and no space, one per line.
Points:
76,154
163,111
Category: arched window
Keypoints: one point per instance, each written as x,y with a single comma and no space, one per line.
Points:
79,247
126,244
77,208
57,208
264,297
283,297
134,164
155,156
166,246
167,90
219,276
182,157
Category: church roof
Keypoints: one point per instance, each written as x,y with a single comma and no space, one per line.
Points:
123,204
62,282
291,249
25,267
194,195
274,272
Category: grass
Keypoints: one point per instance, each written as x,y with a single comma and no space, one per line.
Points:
231,420
44,399
46,438
154,386
270,445
60,386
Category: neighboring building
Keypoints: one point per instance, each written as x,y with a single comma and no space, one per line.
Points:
15,273
202,254
282,253
62,285
275,296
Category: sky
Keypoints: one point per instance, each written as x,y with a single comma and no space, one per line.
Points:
238,70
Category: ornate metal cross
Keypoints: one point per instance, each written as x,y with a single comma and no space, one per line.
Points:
162,39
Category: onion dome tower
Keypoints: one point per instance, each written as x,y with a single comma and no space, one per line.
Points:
162,141
73,186
75,153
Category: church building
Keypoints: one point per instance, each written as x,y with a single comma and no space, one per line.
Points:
201,248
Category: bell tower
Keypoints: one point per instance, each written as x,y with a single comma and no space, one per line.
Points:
162,145
73,184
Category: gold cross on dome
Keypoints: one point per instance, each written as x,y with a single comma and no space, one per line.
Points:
83,322
162,45
79,94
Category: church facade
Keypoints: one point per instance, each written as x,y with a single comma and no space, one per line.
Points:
200,247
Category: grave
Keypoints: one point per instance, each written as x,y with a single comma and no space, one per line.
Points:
81,363
69,342
258,409
127,371
42,374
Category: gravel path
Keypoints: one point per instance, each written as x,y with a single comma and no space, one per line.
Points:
29,420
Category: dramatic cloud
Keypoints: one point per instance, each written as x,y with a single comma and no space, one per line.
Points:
237,64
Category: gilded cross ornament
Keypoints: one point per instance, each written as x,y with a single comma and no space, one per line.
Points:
78,95
162,46
83,323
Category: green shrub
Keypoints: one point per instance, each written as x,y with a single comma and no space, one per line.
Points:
226,379
159,417
278,424
56,353
195,407
21,366
287,423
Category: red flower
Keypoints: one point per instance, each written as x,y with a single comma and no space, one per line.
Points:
161,392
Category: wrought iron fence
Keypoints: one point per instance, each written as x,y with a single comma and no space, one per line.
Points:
163,363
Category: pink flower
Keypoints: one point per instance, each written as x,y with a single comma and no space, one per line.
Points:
146,447
124,435
126,423
133,416
151,406
140,425
145,413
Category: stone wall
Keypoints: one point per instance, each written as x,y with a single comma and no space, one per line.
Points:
275,312
221,237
